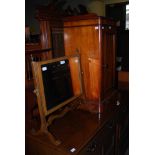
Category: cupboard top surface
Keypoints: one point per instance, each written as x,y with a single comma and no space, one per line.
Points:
84,20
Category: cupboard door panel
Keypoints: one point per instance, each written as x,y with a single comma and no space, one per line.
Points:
86,40
89,53
90,41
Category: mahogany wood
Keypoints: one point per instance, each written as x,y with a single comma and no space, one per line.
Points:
32,46
75,69
94,37
45,34
123,80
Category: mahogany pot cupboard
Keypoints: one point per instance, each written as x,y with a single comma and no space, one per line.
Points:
94,38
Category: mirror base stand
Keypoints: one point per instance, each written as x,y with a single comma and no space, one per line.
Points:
43,131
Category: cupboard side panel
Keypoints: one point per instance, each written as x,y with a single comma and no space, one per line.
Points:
108,65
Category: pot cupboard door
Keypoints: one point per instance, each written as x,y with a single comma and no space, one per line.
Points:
85,40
